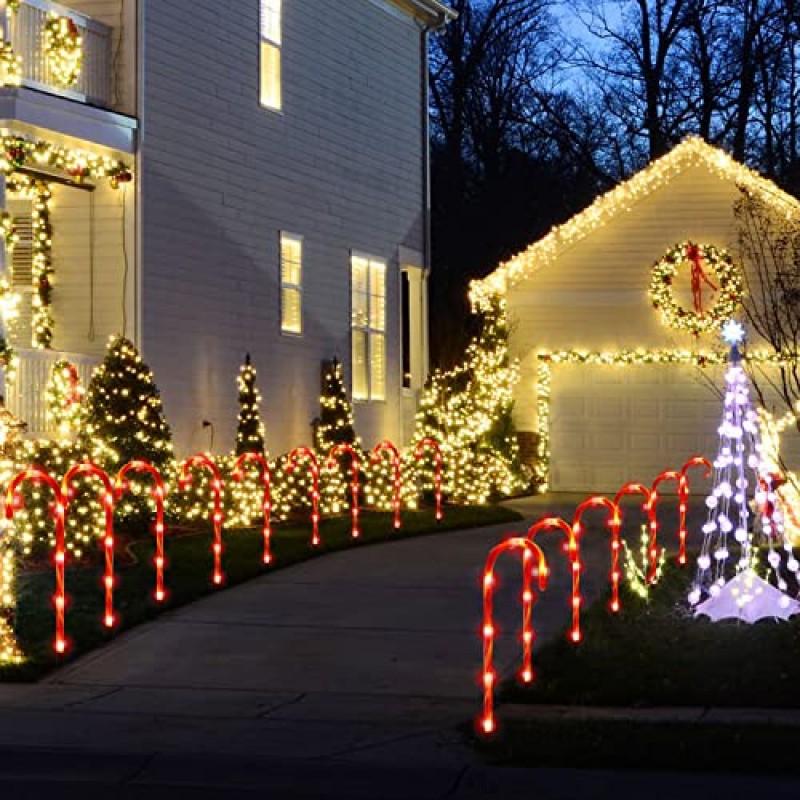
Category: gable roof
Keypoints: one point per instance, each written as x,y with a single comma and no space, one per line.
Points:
691,152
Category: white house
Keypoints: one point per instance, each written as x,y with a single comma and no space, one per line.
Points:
222,178
613,389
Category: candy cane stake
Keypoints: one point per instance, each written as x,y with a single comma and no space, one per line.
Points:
337,450
266,503
437,476
387,447
649,507
313,466
13,501
613,523
87,468
529,550
121,486
683,498
556,523
203,461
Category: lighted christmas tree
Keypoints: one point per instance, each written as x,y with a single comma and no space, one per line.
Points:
123,420
467,410
727,579
249,427
10,652
64,395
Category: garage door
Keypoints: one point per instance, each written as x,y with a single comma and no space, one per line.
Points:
610,425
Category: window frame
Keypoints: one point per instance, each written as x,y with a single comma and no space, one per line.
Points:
270,41
295,287
368,329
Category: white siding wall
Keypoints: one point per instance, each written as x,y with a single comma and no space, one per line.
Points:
121,16
341,165
87,310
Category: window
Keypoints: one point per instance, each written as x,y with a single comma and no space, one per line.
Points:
270,54
291,283
368,327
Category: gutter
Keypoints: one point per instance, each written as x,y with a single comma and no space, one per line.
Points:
433,13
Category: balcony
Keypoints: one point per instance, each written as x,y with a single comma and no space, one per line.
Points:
25,23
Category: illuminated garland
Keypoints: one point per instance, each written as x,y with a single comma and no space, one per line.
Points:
10,66
10,652
544,381
692,151
63,49
42,268
729,284
18,151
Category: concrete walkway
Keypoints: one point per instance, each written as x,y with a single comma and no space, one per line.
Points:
345,676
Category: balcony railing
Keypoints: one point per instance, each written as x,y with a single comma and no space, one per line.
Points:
25,397
26,33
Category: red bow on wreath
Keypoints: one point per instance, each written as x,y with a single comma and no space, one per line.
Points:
699,276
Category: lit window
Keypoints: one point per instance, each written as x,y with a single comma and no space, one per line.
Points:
271,53
291,283
368,327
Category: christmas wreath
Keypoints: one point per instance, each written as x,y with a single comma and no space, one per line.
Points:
64,50
709,267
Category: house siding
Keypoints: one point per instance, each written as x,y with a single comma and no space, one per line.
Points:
341,165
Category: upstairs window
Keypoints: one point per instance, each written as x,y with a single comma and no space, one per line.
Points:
291,283
270,55
368,291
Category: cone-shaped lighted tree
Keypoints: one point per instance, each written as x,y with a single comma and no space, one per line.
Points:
335,422
249,427
728,562
123,420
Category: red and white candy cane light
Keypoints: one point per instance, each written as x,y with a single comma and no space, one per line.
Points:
397,482
335,452
437,475
652,523
683,499
613,523
13,501
203,461
266,502
121,486
662,477
313,467
556,523
489,632
87,468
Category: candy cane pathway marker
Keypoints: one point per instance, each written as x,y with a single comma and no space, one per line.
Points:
13,501
266,502
529,550
613,523
313,466
387,447
121,486
87,468
649,507
683,499
556,523
666,475
203,461
437,476
335,451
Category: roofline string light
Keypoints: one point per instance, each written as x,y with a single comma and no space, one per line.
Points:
397,482
13,501
121,486
204,461
258,459
428,442
613,522
556,523
313,467
87,469
335,452
489,632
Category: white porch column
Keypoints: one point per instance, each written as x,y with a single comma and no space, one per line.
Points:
418,325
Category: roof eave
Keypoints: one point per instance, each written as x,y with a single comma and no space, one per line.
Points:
431,13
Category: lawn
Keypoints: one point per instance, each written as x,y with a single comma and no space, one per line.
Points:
657,654
188,576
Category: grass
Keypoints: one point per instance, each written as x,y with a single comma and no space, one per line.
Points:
188,576
658,654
